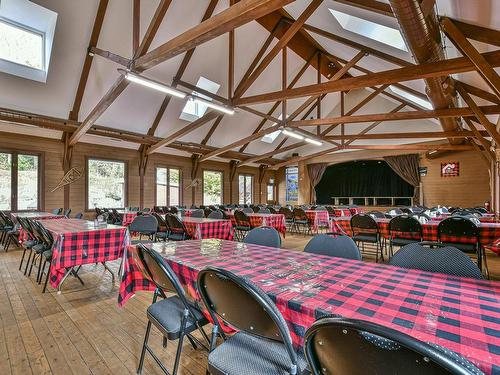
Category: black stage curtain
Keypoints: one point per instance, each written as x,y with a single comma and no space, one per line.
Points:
367,178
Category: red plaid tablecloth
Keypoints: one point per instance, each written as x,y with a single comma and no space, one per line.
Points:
78,242
458,313
277,221
127,217
488,232
35,215
318,219
342,212
355,210
199,228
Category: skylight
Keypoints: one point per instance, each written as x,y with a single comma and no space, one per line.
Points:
20,45
413,98
271,137
194,110
26,36
375,31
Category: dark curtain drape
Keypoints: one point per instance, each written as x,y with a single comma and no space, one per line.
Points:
315,172
364,178
406,166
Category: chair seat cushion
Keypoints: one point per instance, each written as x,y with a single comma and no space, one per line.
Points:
47,254
403,241
167,315
243,354
29,244
242,227
366,237
39,248
465,247
301,221
161,234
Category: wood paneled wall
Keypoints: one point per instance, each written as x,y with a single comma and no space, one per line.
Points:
51,151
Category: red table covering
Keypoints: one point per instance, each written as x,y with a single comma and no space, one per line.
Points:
489,232
199,228
318,219
277,221
34,215
78,242
458,313
127,217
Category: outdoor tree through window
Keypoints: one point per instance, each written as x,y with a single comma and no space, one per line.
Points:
106,184
212,187
245,188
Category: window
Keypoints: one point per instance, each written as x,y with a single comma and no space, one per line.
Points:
245,188
105,184
271,137
375,31
212,187
26,36
21,46
292,184
412,98
270,190
168,186
19,182
194,110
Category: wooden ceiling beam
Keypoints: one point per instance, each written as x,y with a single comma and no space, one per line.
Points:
412,147
87,64
183,131
121,83
480,137
480,93
282,42
480,114
229,19
120,60
479,33
270,153
136,25
407,135
426,70
212,129
463,45
410,115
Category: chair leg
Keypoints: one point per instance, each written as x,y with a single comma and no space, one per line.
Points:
28,261
47,277
143,351
22,259
39,273
179,344
32,262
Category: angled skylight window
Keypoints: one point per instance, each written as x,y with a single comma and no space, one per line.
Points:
20,45
194,110
271,137
412,98
26,36
380,33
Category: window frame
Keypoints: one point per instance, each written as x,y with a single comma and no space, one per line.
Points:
14,178
125,185
168,167
273,186
203,184
286,184
252,178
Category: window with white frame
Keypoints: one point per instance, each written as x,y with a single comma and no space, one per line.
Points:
168,186
26,37
193,110
106,184
212,187
245,189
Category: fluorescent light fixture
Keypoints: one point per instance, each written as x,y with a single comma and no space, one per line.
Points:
313,141
432,152
375,31
136,78
292,134
213,105
413,98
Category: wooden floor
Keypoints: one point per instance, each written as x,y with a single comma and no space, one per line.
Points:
82,330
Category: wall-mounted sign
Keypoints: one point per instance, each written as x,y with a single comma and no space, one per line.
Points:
422,171
451,169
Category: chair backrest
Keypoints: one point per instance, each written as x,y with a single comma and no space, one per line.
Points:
173,209
299,214
405,224
206,212
6,219
161,221
376,214
67,212
407,210
264,236
47,236
320,208
287,212
247,210
215,215
335,345
241,218
333,244
79,215
272,210
448,260
363,222
243,305
145,224
57,211
264,211
175,224
255,209
198,213
458,226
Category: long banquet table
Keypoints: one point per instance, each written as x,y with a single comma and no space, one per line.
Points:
458,313
199,228
277,221
78,242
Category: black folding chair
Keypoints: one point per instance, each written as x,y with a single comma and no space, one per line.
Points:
242,226
177,229
335,345
263,236
175,317
365,230
333,244
448,260
144,225
288,217
300,219
163,227
404,230
263,344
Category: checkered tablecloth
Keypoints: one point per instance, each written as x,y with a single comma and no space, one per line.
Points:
318,219
489,232
35,215
78,242
342,212
199,228
127,217
458,313
277,221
